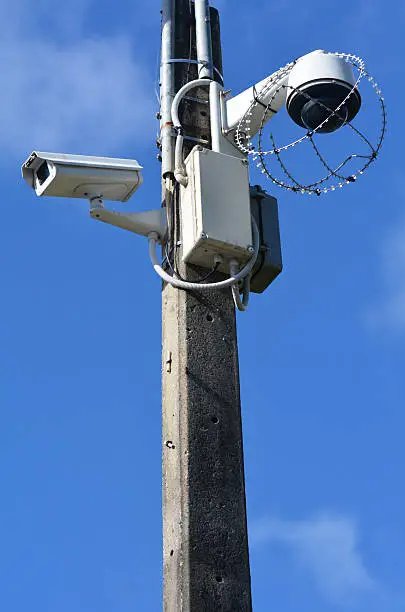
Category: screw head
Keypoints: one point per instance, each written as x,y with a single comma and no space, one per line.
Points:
250,249
204,236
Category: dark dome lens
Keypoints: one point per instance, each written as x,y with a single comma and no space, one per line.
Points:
313,114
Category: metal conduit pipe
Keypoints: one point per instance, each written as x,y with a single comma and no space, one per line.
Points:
167,86
204,41
180,173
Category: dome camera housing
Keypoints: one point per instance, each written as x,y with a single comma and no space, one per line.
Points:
318,84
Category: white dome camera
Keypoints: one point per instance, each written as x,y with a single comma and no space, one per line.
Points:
312,88
318,84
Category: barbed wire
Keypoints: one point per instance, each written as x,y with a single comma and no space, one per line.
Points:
243,136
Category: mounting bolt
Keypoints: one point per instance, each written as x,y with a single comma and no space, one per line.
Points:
244,162
204,236
218,259
250,249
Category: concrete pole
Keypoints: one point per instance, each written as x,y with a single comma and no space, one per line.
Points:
205,545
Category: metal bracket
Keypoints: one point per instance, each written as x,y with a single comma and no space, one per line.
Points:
198,62
198,100
142,223
199,140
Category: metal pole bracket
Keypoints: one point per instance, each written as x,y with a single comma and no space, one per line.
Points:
142,223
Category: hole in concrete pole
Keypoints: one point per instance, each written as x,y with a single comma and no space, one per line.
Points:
171,553
215,420
219,579
170,445
210,318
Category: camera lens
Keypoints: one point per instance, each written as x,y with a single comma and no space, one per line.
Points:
43,173
315,102
315,112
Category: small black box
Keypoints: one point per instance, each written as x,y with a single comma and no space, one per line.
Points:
269,263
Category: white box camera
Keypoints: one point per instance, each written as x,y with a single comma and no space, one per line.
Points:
82,176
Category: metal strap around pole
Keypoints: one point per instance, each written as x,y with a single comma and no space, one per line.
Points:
198,62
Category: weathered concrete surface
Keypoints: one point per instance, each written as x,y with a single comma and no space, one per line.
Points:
206,564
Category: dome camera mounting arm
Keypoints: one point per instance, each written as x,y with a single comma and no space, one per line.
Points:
236,108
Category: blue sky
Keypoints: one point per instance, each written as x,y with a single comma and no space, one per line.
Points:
321,353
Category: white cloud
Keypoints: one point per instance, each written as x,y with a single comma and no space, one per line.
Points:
62,89
326,547
389,310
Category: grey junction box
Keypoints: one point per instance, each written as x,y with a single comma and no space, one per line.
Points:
269,264
215,209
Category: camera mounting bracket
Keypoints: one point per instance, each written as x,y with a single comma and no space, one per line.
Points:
142,223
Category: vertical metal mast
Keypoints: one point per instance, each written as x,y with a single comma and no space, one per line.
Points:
204,40
167,86
205,547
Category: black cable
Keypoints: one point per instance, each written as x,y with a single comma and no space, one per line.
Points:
178,275
173,235
258,101
201,279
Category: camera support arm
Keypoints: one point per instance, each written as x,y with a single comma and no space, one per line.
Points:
265,93
142,223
